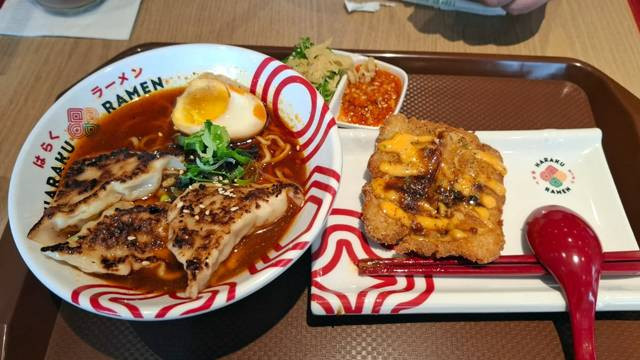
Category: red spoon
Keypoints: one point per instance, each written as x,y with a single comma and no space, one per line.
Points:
567,246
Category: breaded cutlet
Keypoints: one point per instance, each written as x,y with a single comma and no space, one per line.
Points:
435,190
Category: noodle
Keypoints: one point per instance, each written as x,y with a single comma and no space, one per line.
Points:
148,142
267,176
283,154
144,142
134,140
266,153
280,176
269,158
262,140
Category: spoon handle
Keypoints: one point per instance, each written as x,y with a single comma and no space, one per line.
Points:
582,314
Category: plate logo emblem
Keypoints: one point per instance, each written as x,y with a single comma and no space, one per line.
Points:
554,175
82,122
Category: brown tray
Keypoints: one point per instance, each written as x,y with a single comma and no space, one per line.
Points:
480,92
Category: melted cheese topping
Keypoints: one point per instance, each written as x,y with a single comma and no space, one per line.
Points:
457,234
395,212
402,170
442,209
491,160
408,148
378,186
488,201
483,213
429,223
465,185
445,170
496,187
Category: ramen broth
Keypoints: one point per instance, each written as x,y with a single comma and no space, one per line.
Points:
145,125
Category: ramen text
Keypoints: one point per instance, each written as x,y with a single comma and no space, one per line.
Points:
141,89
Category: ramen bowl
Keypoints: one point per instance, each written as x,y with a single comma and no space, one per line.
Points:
76,115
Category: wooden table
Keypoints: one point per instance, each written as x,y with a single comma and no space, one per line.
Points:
34,70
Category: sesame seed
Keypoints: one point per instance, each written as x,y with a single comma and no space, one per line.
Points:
207,212
197,217
146,263
159,133
201,206
234,208
131,237
185,211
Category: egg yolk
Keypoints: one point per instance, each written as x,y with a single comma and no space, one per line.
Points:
206,102
259,112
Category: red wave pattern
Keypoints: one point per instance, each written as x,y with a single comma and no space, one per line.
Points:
383,288
102,297
320,143
130,298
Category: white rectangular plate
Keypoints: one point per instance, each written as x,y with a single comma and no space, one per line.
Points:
563,167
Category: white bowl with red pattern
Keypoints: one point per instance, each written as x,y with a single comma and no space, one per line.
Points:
290,97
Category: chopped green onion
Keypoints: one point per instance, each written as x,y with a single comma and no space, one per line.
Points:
299,50
214,160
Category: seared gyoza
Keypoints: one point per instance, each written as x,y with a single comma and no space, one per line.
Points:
208,220
93,184
125,238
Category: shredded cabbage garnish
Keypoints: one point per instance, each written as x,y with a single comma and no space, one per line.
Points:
318,64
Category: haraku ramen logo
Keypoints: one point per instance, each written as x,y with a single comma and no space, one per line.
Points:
554,175
81,122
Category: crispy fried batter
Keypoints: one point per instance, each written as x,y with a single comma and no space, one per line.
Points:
378,226
435,191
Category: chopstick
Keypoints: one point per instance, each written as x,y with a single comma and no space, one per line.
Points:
621,263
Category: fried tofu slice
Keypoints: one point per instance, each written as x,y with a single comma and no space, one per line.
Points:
208,220
435,190
95,183
125,238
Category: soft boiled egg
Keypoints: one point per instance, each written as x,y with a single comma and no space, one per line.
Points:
210,97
